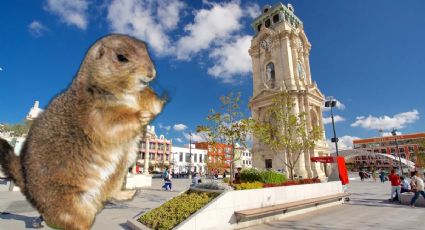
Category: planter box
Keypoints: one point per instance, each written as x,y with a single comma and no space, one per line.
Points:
138,181
220,212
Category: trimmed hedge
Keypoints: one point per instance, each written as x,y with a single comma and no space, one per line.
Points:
292,182
248,185
173,212
264,176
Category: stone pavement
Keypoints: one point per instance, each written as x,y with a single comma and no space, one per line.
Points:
18,214
369,208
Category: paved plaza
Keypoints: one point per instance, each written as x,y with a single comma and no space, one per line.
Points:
19,213
369,208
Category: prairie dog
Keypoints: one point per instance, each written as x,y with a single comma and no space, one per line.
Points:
77,152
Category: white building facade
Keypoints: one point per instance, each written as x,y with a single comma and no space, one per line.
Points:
187,159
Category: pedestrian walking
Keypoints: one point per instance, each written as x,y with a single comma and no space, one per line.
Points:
395,185
382,176
418,187
167,180
361,175
374,175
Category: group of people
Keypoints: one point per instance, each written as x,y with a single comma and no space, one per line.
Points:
400,184
167,177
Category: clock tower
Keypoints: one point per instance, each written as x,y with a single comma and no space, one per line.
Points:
280,54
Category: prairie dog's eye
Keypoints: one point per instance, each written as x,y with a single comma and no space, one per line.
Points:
121,58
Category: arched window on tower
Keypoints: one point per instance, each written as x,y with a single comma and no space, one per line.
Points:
270,75
301,73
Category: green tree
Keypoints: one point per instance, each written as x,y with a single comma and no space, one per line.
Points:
284,132
16,130
227,126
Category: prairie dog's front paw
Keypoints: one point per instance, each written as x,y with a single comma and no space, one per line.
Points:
145,117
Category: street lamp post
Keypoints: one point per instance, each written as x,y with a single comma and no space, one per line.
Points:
394,133
332,103
190,155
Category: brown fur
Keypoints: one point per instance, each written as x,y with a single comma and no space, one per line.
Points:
78,151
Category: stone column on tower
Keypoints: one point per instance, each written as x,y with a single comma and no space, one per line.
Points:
146,162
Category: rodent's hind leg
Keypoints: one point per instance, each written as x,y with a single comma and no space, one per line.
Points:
70,215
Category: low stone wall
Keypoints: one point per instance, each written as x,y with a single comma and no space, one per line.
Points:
406,197
219,214
138,181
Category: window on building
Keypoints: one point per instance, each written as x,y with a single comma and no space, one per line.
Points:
401,150
195,157
200,158
167,157
143,155
152,156
268,163
270,75
267,23
187,158
276,18
300,68
181,157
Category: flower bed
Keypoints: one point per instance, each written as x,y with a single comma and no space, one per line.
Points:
292,182
173,212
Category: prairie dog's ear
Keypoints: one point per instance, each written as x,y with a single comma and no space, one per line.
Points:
97,51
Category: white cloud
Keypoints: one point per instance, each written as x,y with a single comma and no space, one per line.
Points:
179,127
385,122
209,26
146,20
231,58
36,29
70,12
161,126
344,143
196,137
339,105
178,140
253,10
328,120
1,69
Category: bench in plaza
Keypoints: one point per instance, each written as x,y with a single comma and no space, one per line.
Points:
283,208
406,197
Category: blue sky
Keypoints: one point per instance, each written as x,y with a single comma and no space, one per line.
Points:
369,55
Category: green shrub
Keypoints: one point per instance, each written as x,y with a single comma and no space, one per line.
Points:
176,210
249,185
265,176
273,177
226,180
250,175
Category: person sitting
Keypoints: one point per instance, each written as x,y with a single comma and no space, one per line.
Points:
196,179
405,185
237,176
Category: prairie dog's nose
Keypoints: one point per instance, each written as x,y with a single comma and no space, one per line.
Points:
151,73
